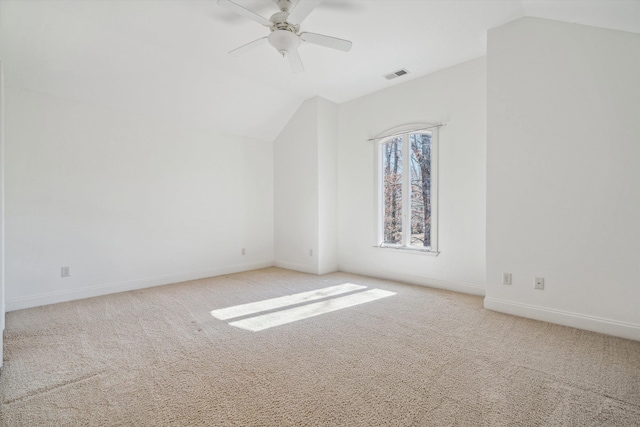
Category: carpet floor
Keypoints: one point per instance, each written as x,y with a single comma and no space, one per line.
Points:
378,354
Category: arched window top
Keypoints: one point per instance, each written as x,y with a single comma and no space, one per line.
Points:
404,129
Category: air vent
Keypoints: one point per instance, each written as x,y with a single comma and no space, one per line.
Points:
396,74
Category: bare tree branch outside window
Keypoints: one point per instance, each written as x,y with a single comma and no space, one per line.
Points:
419,151
392,151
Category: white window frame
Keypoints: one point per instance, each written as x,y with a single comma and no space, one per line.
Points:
384,137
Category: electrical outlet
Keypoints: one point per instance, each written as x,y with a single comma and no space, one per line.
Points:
243,252
64,272
539,283
310,252
506,278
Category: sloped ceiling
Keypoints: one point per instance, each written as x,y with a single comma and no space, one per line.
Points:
168,58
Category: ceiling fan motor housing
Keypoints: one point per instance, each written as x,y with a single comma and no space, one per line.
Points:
279,20
284,41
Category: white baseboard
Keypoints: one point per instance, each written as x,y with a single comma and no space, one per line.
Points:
311,269
574,320
13,304
465,288
324,270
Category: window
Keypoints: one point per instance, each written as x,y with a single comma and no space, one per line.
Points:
407,183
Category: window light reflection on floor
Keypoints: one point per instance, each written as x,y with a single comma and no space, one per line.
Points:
273,303
356,295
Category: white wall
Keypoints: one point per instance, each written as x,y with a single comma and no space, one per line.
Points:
126,200
296,191
563,174
327,186
2,253
305,188
457,96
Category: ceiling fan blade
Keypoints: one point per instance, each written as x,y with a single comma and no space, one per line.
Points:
327,41
247,47
295,61
302,10
240,10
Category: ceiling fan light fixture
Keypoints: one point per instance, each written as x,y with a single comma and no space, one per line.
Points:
284,41
285,34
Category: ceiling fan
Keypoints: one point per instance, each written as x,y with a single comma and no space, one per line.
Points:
285,33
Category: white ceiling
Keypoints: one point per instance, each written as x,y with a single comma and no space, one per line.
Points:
167,58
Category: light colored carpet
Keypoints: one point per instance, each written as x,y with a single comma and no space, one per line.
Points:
422,357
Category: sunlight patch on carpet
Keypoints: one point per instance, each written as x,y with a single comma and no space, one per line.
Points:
273,303
287,315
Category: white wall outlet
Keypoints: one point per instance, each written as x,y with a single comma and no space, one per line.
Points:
506,278
310,252
539,283
64,272
243,252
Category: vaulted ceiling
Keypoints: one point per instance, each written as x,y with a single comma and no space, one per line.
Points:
168,58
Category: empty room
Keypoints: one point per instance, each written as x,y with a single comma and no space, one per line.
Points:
320,213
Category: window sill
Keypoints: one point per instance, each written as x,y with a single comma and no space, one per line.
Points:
417,251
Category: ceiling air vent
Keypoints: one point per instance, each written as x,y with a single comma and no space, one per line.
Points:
396,74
